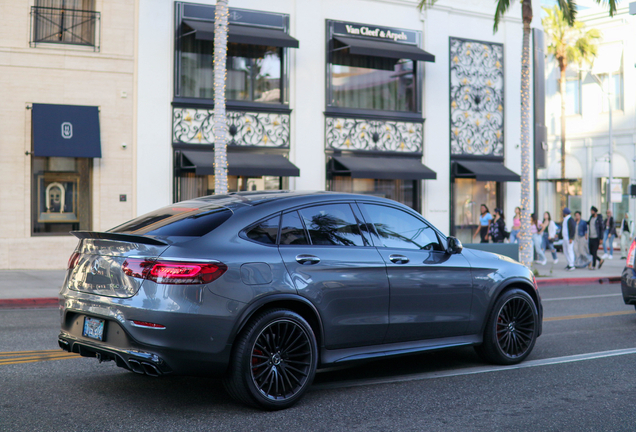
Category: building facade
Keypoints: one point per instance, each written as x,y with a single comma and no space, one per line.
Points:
67,80
589,94
363,96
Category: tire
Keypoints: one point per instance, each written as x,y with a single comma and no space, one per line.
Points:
273,360
511,329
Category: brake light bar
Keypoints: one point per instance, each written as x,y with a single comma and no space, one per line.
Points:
146,324
173,272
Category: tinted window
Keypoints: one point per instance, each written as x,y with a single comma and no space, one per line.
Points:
332,224
176,221
292,231
399,229
266,231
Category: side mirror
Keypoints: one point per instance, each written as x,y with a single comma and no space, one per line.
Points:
454,245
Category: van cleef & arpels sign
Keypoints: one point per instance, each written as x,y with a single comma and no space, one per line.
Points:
375,32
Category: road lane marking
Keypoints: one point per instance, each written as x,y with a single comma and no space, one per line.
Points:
19,357
580,297
594,315
476,370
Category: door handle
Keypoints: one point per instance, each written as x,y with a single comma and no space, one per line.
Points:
398,259
307,259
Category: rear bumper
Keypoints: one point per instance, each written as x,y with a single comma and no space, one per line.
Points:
141,362
628,286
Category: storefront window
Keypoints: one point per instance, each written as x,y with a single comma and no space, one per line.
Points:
60,195
192,186
619,208
469,195
253,71
574,200
373,83
403,191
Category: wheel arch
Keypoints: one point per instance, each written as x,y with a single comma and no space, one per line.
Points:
286,301
522,284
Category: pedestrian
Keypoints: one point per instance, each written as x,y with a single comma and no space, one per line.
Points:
549,236
608,236
627,230
568,230
595,231
537,238
484,223
516,225
497,229
582,257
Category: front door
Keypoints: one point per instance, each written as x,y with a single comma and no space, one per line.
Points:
431,290
333,266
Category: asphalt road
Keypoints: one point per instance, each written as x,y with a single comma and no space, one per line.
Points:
580,377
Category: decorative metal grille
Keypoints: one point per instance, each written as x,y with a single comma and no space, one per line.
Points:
194,126
476,98
64,26
377,135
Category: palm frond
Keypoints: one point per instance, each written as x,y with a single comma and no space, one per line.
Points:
425,4
612,4
502,7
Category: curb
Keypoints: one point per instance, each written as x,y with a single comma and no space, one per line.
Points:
578,281
28,302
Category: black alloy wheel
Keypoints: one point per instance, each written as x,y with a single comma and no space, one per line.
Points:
511,330
274,360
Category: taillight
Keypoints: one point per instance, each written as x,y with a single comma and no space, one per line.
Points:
630,255
72,261
172,272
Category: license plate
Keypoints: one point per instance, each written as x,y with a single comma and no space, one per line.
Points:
93,328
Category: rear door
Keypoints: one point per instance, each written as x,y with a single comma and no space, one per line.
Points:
431,290
333,266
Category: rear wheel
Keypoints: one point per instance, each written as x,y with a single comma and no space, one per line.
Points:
511,330
274,360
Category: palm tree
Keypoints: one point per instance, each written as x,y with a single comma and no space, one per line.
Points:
220,119
568,7
568,45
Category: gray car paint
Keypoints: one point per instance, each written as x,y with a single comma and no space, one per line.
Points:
202,321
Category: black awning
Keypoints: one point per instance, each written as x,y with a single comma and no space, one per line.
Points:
382,168
244,34
385,49
485,171
244,164
65,131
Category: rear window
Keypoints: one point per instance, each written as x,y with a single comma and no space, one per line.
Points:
176,221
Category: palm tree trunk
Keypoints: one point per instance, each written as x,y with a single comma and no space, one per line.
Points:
525,243
564,184
220,119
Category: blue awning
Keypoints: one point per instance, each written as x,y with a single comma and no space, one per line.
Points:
66,131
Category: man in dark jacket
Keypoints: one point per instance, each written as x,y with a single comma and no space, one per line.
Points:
594,235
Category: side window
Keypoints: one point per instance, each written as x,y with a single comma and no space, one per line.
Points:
332,224
292,231
266,231
398,229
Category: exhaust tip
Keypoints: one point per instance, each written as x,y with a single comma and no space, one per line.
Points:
136,367
151,370
64,345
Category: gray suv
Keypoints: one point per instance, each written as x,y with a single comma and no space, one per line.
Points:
264,288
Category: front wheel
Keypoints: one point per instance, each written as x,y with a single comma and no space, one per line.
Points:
274,360
511,330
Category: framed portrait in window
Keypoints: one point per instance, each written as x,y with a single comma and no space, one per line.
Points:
58,197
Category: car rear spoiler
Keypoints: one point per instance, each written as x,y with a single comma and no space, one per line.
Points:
130,238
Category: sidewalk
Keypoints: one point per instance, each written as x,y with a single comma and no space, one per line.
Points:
555,274
33,288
